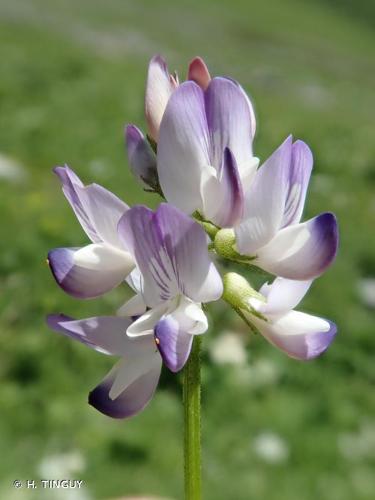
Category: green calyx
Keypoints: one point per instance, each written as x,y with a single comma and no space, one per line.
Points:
225,246
238,294
224,242
208,226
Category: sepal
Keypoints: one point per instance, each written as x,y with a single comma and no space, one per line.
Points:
238,293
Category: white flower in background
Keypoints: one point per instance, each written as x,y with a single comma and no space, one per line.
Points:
271,448
358,446
68,465
11,170
366,290
62,464
228,348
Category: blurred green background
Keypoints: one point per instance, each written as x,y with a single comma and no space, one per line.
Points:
71,75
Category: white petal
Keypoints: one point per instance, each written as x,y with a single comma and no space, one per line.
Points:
283,295
211,192
159,88
104,257
104,210
133,367
133,307
248,171
134,280
89,271
145,324
191,317
302,251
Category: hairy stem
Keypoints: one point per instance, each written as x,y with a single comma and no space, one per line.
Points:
192,422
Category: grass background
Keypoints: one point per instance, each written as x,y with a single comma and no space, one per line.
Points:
72,74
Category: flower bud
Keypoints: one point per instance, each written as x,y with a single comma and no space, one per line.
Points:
198,72
159,87
141,158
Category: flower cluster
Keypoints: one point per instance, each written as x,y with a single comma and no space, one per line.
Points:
198,155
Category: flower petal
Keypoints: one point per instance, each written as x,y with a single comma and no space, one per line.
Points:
104,210
234,195
171,252
198,72
133,307
183,147
299,177
212,192
132,399
97,209
70,182
159,87
89,271
174,333
144,325
106,334
283,295
229,121
135,364
173,343
300,335
265,201
302,251
140,232
223,198
142,159
186,245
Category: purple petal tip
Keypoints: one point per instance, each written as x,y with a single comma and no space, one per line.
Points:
159,59
318,343
100,400
174,345
327,226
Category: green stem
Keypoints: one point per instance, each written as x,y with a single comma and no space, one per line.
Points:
192,422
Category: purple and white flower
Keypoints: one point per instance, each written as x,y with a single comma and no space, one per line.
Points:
271,230
98,267
176,275
300,335
199,155
131,383
205,158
